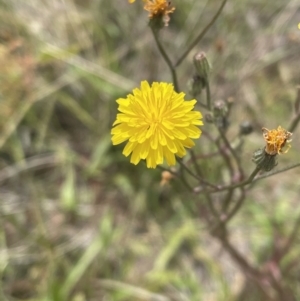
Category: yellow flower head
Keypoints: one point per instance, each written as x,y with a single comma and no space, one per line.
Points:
158,8
276,140
158,124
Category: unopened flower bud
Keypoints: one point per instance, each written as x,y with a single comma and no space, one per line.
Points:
220,108
166,177
263,160
157,24
209,118
246,128
220,111
202,66
196,84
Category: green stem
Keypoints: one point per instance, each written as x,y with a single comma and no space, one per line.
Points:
208,96
225,156
199,179
166,58
252,176
196,165
212,207
241,184
227,217
188,170
227,199
239,259
296,119
233,152
292,238
201,35
237,206
294,123
277,171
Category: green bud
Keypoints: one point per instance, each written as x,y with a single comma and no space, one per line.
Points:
246,128
209,118
196,84
202,66
156,24
220,111
263,160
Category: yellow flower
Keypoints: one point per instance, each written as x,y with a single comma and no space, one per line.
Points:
158,124
276,140
158,7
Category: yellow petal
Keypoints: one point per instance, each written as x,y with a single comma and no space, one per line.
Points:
170,157
135,156
129,148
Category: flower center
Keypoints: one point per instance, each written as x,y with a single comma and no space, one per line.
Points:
154,120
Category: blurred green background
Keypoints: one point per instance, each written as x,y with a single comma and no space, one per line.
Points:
78,221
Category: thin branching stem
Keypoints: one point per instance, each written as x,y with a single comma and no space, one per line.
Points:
292,237
201,35
252,176
188,170
185,182
227,199
294,123
233,152
207,195
212,207
239,259
248,268
269,174
225,156
241,184
226,218
224,138
237,206
296,119
198,171
196,165
166,58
